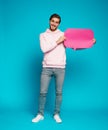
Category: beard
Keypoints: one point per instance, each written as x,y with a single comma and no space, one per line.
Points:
53,28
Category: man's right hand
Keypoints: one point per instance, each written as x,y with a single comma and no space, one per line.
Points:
61,39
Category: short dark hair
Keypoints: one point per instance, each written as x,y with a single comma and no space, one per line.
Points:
55,16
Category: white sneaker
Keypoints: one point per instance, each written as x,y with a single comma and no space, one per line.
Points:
38,118
57,118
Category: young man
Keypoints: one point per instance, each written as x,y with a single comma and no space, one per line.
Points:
54,61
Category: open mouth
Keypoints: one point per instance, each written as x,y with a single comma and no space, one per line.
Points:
53,26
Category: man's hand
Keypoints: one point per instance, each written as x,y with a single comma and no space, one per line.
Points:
94,40
61,39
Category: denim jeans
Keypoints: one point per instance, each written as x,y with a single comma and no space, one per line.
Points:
46,75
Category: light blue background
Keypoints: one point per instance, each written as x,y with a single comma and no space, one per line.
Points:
85,93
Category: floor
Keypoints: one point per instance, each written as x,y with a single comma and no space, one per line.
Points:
75,120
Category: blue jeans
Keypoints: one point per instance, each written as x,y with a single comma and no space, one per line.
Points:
46,75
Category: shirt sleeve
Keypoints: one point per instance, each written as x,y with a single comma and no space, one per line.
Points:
47,43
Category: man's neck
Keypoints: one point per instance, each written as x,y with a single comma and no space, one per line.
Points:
52,30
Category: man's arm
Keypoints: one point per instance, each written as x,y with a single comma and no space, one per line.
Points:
61,39
48,43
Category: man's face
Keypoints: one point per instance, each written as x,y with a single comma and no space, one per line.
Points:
54,23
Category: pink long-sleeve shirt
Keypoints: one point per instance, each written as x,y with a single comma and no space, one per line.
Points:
54,54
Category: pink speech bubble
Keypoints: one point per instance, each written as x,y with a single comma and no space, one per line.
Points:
78,38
